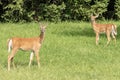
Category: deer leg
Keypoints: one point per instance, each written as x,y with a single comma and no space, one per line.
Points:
10,58
37,57
97,38
114,37
9,61
31,58
13,62
108,37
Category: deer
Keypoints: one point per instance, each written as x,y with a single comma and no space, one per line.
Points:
108,29
32,44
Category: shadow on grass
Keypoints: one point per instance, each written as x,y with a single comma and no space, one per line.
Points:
76,32
21,64
26,63
118,32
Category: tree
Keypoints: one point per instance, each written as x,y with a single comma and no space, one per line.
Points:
13,11
99,7
117,9
57,10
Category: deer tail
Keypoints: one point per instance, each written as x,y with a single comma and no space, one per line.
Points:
114,29
9,45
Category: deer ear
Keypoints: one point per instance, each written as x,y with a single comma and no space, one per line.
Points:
97,15
39,23
45,25
40,26
92,14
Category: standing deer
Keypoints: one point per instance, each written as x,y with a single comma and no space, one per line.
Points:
103,28
28,44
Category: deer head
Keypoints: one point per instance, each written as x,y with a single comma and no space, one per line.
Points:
94,17
42,27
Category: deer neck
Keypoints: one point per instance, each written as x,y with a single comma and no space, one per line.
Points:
95,28
93,23
42,36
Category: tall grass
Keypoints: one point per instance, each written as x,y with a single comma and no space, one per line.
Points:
67,53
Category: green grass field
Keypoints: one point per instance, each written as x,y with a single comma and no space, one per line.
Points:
68,53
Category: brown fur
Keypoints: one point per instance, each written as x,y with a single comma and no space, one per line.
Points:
103,28
28,44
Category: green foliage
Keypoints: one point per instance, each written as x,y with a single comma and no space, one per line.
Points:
81,10
13,11
57,10
0,3
78,10
117,8
99,7
54,12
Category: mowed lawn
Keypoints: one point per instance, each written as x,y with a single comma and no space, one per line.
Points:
68,52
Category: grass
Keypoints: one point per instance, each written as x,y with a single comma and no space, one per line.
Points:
68,53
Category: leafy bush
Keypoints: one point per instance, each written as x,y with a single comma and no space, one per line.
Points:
57,10
13,11
53,12
117,8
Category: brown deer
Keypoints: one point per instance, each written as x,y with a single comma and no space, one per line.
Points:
103,28
28,44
